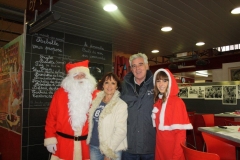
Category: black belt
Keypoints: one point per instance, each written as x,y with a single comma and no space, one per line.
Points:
75,138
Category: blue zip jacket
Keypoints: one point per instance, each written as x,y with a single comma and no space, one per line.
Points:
141,134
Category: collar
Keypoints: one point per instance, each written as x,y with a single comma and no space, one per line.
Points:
137,83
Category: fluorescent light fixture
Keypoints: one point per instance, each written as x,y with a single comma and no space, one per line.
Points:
184,54
166,29
110,7
155,51
202,73
200,43
183,67
236,10
44,21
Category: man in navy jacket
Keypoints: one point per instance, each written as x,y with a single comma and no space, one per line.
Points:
137,92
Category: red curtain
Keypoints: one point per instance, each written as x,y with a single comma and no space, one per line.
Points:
121,66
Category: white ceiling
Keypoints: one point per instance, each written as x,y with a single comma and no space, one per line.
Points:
135,27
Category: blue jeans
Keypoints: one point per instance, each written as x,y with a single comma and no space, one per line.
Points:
95,153
130,156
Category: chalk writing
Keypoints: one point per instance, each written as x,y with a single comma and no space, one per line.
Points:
53,49
84,56
39,103
37,47
47,77
47,41
51,45
86,50
98,57
97,47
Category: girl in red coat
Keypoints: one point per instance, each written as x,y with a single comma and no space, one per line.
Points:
169,117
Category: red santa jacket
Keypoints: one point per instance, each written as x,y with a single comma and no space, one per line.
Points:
58,120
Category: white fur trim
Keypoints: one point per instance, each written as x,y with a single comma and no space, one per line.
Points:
162,112
77,70
77,150
162,115
160,96
154,111
51,140
176,126
53,157
153,119
153,116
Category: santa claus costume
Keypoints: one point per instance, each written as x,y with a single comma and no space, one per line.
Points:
66,123
171,121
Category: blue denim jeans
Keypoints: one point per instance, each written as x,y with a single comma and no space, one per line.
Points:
130,156
95,153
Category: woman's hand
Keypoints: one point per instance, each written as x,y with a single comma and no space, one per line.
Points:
106,158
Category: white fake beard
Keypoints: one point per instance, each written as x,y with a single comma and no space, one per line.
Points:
80,98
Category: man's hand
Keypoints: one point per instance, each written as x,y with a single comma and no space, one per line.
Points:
52,148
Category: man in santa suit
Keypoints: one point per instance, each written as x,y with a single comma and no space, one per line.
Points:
66,124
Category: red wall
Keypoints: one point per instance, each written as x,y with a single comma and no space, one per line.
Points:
10,144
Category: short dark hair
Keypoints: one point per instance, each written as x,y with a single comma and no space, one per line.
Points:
109,75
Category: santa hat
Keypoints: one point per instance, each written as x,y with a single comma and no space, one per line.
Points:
75,68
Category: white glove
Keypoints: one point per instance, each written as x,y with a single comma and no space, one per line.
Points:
52,148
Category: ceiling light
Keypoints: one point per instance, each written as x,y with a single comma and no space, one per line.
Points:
155,51
166,29
110,7
200,43
236,10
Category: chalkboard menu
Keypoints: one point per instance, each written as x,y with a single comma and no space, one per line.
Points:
47,53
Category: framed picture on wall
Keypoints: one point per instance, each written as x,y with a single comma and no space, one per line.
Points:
229,95
238,92
183,92
196,92
213,92
234,73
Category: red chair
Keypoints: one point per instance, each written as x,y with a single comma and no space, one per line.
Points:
191,133
225,150
191,154
233,123
209,122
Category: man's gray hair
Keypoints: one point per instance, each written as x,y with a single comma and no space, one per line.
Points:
138,55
